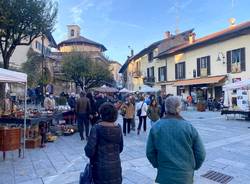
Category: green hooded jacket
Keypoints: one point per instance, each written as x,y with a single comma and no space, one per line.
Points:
174,147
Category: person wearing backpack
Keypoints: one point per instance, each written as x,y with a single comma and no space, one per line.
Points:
141,112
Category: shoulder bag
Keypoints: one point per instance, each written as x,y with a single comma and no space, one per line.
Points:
138,113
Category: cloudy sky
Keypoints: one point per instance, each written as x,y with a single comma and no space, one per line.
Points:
119,24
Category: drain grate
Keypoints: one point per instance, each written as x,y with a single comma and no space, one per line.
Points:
218,177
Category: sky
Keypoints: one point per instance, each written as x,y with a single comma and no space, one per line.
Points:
124,24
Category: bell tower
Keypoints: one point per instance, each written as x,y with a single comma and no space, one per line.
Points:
73,31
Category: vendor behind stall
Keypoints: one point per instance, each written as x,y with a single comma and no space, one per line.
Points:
49,102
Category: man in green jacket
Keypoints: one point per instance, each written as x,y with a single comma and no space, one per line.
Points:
174,147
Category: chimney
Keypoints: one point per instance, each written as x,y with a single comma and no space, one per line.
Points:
132,52
191,38
167,34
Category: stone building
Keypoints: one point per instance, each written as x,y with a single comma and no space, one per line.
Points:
193,64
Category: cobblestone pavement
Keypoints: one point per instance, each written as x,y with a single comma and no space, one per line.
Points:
227,143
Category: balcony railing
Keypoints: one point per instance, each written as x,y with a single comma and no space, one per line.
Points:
136,74
149,80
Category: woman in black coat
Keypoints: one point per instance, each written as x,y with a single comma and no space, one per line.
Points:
104,146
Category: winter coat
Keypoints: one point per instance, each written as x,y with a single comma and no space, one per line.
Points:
72,102
153,113
174,147
129,110
83,106
104,146
143,108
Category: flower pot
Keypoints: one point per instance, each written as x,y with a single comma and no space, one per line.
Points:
201,107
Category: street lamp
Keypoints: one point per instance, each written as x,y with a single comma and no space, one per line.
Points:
221,57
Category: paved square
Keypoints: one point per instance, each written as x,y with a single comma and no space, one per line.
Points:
227,144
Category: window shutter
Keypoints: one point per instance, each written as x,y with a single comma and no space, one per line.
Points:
184,70
243,59
229,61
148,72
176,74
208,66
159,78
198,67
153,71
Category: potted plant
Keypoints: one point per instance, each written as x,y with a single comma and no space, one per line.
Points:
201,107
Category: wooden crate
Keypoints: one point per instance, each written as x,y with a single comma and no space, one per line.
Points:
33,143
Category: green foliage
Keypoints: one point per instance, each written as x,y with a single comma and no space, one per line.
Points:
21,21
33,68
85,72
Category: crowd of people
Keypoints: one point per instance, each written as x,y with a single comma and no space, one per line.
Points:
174,146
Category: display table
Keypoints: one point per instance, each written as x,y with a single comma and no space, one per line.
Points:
245,113
10,139
37,127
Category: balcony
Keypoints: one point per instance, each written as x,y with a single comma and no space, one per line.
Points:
136,74
149,80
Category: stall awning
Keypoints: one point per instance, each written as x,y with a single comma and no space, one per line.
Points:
12,76
207,80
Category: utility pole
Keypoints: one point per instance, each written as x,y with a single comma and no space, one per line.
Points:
177,16
42,67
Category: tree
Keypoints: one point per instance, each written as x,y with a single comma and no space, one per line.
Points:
85,72
21,21
33,68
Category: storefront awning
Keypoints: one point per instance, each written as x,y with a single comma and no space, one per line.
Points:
205,80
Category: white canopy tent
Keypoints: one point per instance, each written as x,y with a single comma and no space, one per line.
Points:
125,90
244,84
9,76
148,89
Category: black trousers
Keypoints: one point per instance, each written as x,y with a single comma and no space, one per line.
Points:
126,125
144,119
83,123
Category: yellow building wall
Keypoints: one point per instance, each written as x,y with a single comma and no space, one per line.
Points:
79,48
217,68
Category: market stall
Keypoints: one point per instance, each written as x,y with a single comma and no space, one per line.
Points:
106,89
148,89
8,76
236,98
125,90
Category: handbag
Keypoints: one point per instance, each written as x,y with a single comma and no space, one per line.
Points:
138,113
123,111
86,176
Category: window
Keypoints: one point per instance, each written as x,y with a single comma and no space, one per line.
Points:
203,66
150,57
162,72
180,70
236,61
150,74
204,62
72,32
